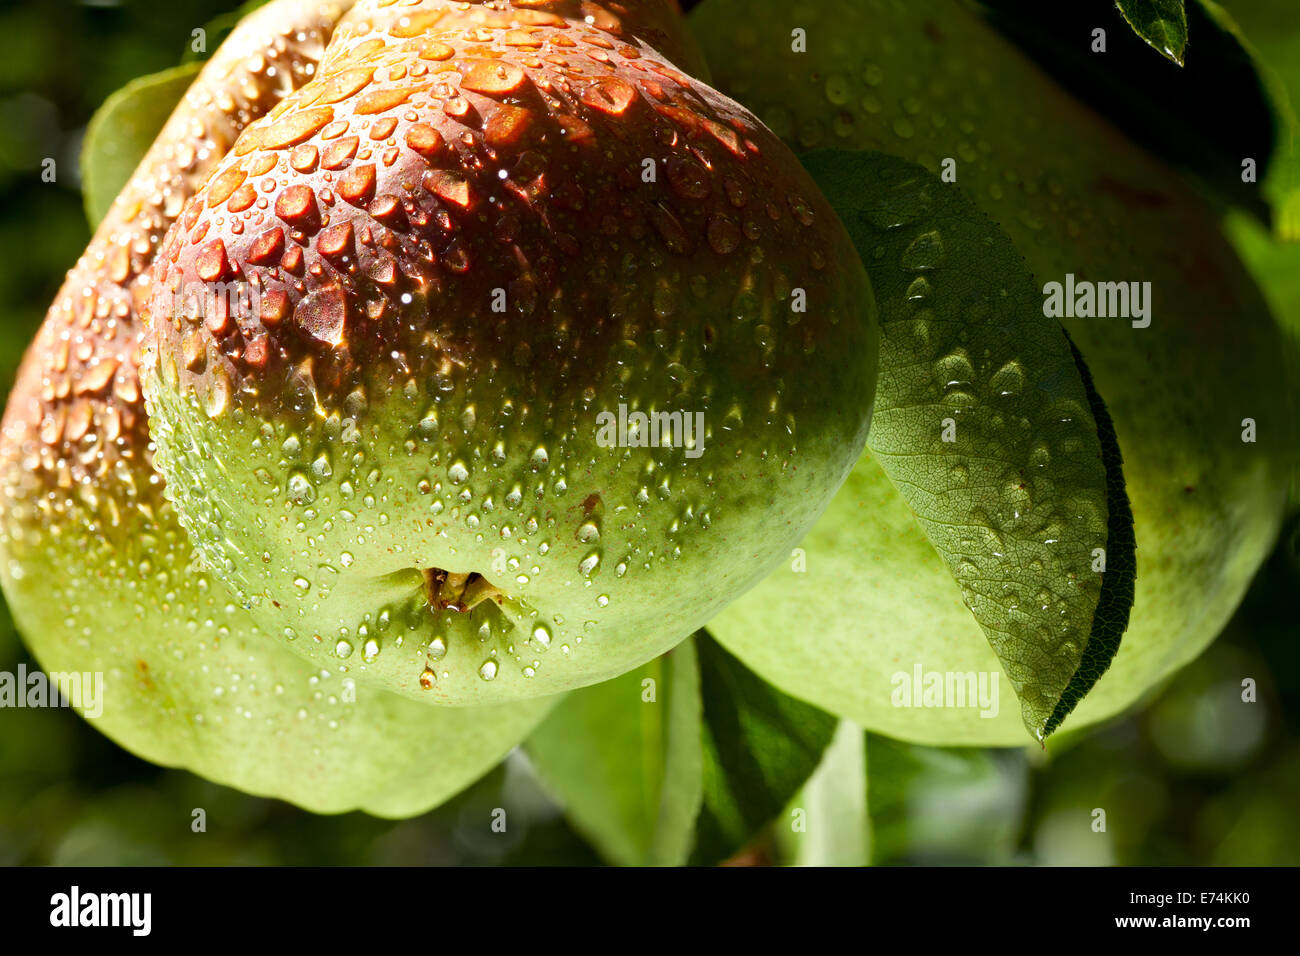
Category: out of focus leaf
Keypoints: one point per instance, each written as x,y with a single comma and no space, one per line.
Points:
760,745
943,805
828,818
217,29
122,131
623,758
1275,266
1282,183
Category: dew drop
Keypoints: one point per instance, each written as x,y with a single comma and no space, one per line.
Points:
954,371
837,89
925,252
723,235
664,302
300,489
919,289
745,306
1009,380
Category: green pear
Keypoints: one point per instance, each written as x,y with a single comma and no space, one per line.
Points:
502,355
101,578
867,610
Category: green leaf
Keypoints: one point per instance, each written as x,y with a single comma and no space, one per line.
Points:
829,816
760,746
1275,266
695,772
1161,23
623,758
944,805
1274,47
121,132
985,424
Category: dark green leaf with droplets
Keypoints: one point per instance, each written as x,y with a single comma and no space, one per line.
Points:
1161,23
1018,503
760,747
121,132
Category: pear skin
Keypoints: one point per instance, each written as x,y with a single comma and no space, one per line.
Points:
542,352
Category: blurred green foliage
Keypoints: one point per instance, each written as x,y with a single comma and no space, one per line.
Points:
1197,776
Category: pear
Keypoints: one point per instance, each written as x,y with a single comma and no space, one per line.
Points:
101,578
501,356
1196,395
